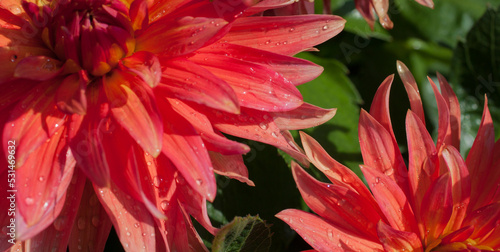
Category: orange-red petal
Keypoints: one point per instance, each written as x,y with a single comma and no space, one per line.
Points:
395,240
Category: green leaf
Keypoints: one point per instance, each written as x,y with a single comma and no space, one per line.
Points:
243,234
476,72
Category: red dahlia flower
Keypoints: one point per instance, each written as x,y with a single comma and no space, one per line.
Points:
381,7
134,95
439,203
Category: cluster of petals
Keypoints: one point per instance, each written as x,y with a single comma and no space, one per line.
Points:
116,109
436,202
368,9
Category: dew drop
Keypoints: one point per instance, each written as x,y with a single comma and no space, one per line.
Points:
136,225
330,234
59,223
268,42
29,201
199,182
95,221
13,58
377,180
263,125
128,233
389,172
41,179
81,223
291,29
143,234
164,205
156,181
274,135
325,27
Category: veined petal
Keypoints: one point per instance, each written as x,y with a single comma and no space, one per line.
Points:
284,35
139,15
184,147
479,158
38,68
145,65
303,117
296,70
437,208
444,130
460,186
226,9
396,240
412,90
454,107
391,199
186,80
267,5
380,105
365,8
134,107
14,90
338,204
485,220
380,151
176,37
322,235
256,86
231,166
129,219
381,7
70,96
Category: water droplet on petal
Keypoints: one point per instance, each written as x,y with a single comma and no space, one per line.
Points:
136,225
291,29
389,172
95,221
60,223
199,182
81,223
325,27
156,181
377,180
29,201
41,179
128,233
164,205
263,125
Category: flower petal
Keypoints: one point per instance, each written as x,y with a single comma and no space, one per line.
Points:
444,129
380,105
130,220
380,151
381,7
38,68
485,220
256,86
134,107
412,90
92,224
296,70
303,117
323,236
395,240
175,37
428,3
230,166
340,205
267,5
452,102
391,199
284,35
14,90
186,80
70,96
146,65
479,159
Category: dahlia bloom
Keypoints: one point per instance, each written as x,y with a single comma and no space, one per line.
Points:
380,7
112,113
440,202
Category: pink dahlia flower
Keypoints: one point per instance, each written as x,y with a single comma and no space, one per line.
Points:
439,202
112,113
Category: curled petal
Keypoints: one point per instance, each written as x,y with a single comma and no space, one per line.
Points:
305,116
38,68
146,65
230,166
70,96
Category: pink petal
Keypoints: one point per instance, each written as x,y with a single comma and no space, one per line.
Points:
437,207
460,184
365,9
323,236
176,37
334,171
395,240
412,90
381,7
444,130
284,35
452,102
145,65
186,80
133,106
38,68
131,220
380,151
70,96
479,158
380,105
303,117
428,3
296,70
268,5
230,166
184,147
340,205
226,9
391,199
256,86
91,225
33,120
57,235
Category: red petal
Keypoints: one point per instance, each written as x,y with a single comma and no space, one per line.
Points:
70,96
395,240
479,159
391,199
268,5
38,68
485,220
305,116
33,120
176,37
492,184
226,9
460,184
412,90
230,166
452,102
437,207
296,70
186,80
139,14
134,107
131,220
365,8
14,90
340,205
321,235
184,147
460,235
444,130
146,65
284,35
380,105
256,86
334,171
380,151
